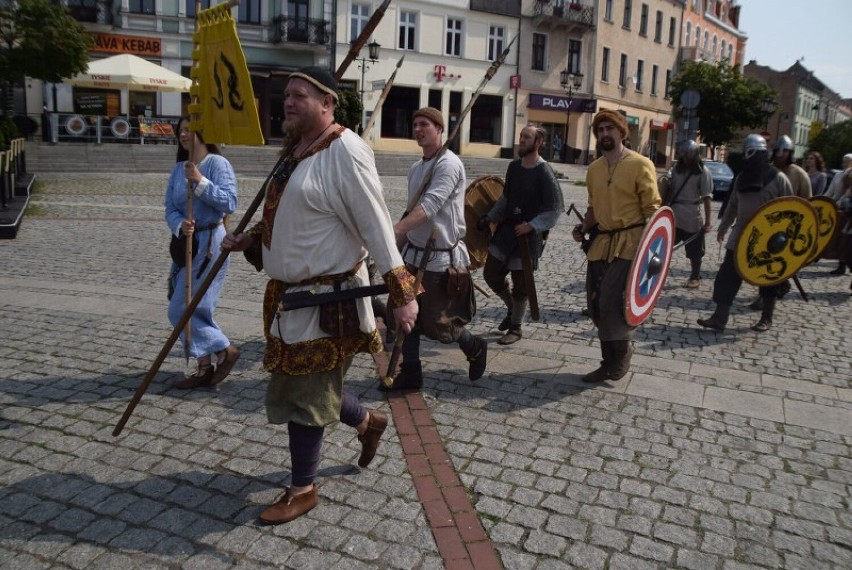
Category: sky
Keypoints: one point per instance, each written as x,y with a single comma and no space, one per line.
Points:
782,31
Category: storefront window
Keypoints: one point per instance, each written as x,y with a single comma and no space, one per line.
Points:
397,112
486,119
143,104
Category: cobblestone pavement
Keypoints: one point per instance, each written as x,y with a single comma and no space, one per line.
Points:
718,451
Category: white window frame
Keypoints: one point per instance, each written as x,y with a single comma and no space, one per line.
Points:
358,21
496,41
454,37
408,26
655,70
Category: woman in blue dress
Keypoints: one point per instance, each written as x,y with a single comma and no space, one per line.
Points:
214,188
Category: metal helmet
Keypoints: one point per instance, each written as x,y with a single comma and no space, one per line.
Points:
754,143
784,143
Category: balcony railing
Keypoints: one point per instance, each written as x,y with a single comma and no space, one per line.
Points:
90,11
502,7
301,30
570,13
695,53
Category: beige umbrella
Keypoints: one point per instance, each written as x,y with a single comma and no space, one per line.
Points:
125,71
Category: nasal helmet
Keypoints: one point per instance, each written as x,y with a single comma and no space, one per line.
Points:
754,143
784,143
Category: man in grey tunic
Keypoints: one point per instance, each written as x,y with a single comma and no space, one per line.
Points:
436,185
530,206
689,196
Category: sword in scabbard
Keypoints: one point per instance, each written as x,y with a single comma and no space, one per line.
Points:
387,380
529,277
689,240
304,299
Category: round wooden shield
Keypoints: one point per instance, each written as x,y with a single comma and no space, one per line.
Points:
777,241
828,220
479,197
650,267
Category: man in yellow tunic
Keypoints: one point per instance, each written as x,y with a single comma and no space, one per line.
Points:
622,189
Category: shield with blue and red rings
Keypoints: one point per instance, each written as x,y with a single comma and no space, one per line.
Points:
650,267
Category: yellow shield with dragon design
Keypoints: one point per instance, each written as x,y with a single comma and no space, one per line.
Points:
778,240
828,218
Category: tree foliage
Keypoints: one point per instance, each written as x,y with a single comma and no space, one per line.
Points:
729,102
349,109
833,142
40,39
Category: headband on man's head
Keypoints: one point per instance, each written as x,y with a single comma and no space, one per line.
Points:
320,78
614,117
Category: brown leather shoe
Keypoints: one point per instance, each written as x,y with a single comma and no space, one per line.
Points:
598,375
370,438
288,507
202,378
232,353
511,337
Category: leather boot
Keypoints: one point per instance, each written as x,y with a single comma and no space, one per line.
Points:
621,351
766,316
719,320
477,358
410,377
507,320
602,372
516,316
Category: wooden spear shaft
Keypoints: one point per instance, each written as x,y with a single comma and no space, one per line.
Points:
382,98
490,72
362,38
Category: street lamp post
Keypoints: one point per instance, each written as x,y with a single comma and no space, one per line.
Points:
569,82
363,65
768,107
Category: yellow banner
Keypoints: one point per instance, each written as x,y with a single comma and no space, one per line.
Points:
223,107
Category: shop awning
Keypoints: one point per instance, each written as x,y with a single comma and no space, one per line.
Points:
658,125
125,71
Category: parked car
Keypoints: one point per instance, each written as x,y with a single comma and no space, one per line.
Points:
723,177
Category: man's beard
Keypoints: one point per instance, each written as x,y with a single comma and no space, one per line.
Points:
607,143
525,151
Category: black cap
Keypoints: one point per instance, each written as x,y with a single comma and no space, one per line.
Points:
319,77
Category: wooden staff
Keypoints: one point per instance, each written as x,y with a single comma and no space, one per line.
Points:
187,312
382,97
362,38
489,73
187,333
202,289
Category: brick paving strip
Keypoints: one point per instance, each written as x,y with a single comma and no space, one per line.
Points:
461,539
